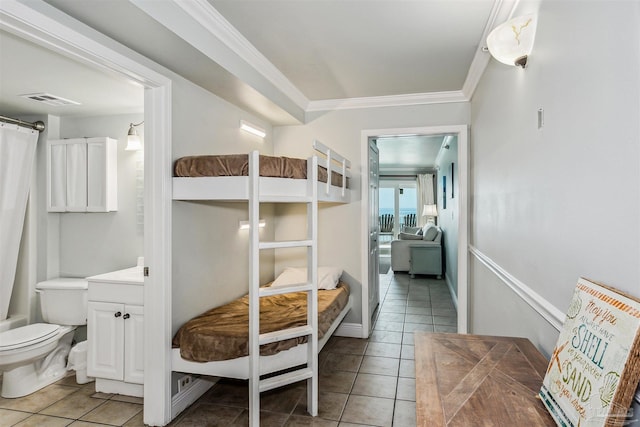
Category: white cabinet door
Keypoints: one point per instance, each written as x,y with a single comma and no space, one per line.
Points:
105,337
82,175
76,175
102,175
134,344
56,176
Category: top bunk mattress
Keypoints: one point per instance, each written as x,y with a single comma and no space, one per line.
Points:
238,165
222,333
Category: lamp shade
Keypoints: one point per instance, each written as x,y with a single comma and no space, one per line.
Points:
430,210
133,139
511,43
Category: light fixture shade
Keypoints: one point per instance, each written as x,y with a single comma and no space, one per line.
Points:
245,225
253,129
430,210
133,139
511,43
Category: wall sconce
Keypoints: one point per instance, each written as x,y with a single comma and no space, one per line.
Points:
244,225
253,129
511,43
133,139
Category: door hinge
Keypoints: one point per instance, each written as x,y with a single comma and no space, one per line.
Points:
145,272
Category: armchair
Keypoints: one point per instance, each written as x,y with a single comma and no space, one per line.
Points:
431,255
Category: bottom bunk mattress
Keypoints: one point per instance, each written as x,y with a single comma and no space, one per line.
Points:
222,333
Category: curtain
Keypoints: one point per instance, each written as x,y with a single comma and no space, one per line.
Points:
17,152
425,194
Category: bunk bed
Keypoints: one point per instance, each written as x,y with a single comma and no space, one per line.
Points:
261,179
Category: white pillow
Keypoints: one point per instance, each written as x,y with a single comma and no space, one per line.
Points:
429,232
328,277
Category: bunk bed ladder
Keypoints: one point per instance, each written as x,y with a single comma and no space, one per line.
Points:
310,372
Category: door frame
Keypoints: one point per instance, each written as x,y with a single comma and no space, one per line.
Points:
50,28
462,132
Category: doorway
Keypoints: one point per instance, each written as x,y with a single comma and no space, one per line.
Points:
397,209
86,45
461,168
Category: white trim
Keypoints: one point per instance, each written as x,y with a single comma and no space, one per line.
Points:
201,26
454,297
387,101
351,330
544,308
462,132
243,60
203,12
500,12
47,26
183,399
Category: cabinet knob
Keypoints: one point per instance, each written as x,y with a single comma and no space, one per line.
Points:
117,314
126,316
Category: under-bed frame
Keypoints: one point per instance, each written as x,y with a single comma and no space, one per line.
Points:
257,189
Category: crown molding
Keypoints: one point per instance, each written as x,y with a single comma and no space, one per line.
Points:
500,12
219,27
243,60
387,101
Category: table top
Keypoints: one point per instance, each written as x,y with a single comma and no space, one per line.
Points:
476,380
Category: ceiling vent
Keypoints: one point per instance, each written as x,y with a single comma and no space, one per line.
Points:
49,99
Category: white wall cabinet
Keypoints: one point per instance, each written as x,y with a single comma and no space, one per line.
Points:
115,334
82,175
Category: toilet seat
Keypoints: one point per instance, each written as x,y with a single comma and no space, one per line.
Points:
27,335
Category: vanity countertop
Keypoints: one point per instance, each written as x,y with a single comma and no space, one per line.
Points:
132,276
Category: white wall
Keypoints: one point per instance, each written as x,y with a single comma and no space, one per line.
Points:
210,253
448,218
552,204
340,226
95,243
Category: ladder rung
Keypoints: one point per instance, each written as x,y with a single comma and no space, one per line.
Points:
284,379
285,244
285,334
286,199
278,290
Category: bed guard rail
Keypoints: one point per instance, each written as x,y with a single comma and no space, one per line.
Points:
331,159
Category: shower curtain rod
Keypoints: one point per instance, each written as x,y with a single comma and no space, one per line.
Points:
39,126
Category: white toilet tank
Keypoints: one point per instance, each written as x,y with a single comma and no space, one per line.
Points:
63,301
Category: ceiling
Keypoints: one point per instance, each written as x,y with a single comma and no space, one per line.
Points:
354,49
279,59
26,68
409,154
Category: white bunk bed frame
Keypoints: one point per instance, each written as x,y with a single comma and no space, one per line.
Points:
256,189
237,188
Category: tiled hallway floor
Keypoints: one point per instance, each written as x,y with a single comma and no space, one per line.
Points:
362,382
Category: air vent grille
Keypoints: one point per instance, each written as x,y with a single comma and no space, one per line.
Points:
49,99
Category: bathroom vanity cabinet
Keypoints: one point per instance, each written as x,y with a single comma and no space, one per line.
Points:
115,331
82,175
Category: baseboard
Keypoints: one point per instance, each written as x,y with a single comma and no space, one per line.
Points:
181,400
351,330
543,307
452,291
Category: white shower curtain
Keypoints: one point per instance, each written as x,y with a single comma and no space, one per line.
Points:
425,193
17,152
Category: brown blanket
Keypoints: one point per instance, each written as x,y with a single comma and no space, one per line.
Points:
222,333
238,165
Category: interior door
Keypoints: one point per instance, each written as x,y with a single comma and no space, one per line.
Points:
374,278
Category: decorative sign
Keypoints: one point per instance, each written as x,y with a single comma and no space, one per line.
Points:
595,367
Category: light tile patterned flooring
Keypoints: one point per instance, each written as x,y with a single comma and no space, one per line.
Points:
362,382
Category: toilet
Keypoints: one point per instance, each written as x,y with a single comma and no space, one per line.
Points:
34,356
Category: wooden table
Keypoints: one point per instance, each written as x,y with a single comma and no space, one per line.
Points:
475,380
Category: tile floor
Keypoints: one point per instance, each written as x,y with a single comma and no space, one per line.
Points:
362,382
